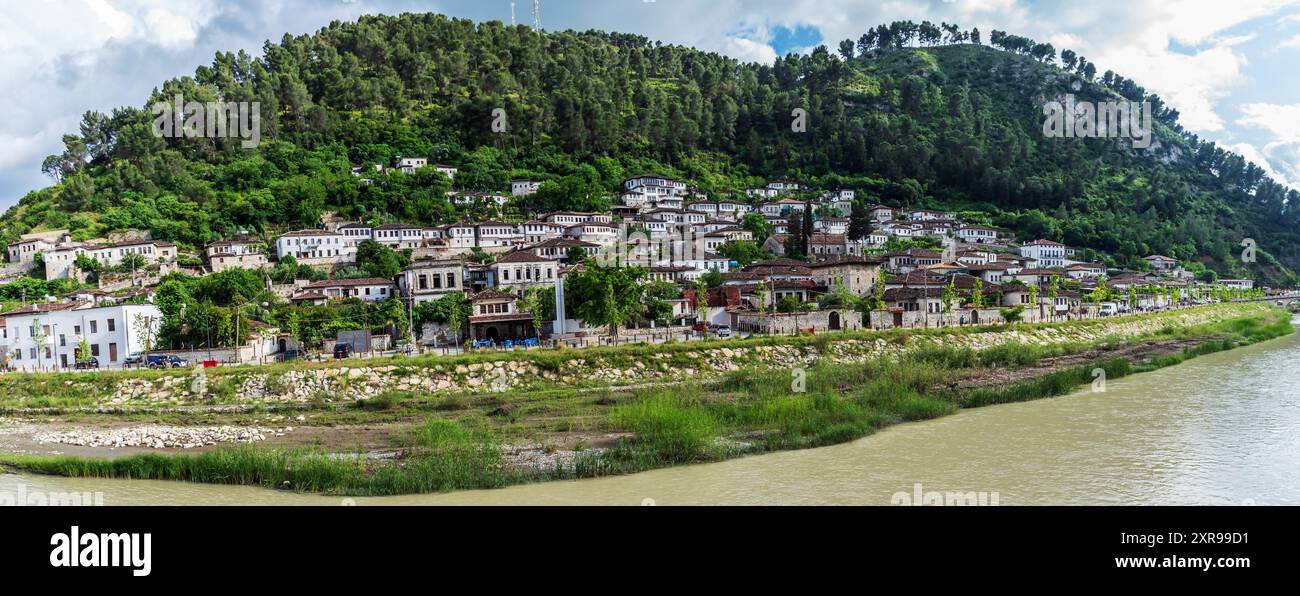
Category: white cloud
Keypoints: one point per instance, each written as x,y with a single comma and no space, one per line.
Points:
1282,121
748,50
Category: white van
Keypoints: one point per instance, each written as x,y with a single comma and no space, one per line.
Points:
1109,309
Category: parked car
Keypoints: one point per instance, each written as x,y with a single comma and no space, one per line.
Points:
136,359
342,351
290,356
87,364
166,361
724,331
1108,309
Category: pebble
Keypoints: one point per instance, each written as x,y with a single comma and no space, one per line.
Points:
159,437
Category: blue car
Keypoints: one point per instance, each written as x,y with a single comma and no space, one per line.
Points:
166,361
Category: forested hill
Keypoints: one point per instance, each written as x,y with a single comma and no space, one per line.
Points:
912,115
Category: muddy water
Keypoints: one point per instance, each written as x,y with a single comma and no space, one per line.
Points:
1220,429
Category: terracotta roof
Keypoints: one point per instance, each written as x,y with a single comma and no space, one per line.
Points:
522,256
493,295
340,283
44,307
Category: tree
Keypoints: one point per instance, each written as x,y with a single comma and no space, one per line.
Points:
539,302
83,350
378,260
758,226
609,296
949,296
1099,293
657,296
1014,314
701,301
859,222
453,310
877,299
1033,298
977,294
712,278
132,262
743,252
146,330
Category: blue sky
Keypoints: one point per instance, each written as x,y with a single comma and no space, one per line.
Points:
1230,72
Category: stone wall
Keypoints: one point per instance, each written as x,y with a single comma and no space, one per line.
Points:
546,368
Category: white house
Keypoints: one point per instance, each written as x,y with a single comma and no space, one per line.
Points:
524,269
235,254
61,262
1048,254
429,280
523,188
48,336
369,289
410,164
315,247
399,236
974,234
450,171
654,186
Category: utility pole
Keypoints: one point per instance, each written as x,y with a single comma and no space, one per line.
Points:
410,329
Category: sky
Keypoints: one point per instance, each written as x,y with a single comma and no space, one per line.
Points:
1227,67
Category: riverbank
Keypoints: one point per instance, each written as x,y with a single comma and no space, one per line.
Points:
427,443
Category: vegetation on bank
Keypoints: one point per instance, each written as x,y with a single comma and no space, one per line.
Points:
68,390
457,447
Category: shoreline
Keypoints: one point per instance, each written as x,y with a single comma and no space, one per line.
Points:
597,432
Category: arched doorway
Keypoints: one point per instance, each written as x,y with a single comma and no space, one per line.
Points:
835,321
975,317
493,334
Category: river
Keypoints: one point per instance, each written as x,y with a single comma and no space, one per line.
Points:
1222,429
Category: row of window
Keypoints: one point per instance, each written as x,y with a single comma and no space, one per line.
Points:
527,274
48,353
47,329
434,282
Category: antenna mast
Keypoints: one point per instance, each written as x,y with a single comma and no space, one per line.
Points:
537,15
512,13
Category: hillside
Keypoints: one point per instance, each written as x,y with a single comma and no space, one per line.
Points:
954,126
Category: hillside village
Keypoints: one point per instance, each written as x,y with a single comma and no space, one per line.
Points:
778,259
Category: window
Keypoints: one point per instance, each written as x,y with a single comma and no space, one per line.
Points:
451,280
94,350
112,325
94,327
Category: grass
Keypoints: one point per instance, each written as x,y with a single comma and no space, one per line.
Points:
456,441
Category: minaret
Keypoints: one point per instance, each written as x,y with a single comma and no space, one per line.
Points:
537,15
